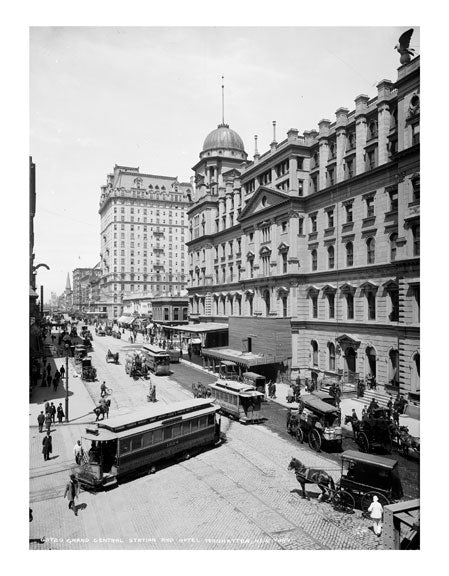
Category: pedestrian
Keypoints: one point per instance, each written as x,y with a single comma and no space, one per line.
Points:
273,389
103,389
49,378
290,395
364,411
47,407
48,368
153,393
396,416
55,381
189,352
390,406
355,423
48,419
376,512
337,396
47,447
41,420
72,490
60,413
78,452
53,412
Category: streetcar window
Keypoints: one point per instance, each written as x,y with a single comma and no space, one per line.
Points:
195,425
147,438
136,442
157,436
125,445
210,420
203,422
186,428
176,430
167,433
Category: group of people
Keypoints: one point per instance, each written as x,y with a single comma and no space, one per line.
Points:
48,379
47,419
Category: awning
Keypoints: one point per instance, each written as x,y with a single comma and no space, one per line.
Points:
228,363
201,328
246,359
127,319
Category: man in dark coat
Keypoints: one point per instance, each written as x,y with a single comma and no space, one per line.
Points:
49,378
41,420
47,447
53,412
48,421
62,371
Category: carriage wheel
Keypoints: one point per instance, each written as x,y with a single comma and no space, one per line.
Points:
363,442
368,498
315,440
343,501
300,435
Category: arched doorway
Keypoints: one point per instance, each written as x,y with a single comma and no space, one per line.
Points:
266,299
350,360
415,372
370,362
393,368
314,345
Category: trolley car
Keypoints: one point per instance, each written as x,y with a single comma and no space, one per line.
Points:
157,359
239,401
132,444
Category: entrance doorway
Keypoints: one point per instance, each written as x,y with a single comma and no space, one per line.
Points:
370,364
350,362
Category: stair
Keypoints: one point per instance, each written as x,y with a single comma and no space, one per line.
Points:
380,395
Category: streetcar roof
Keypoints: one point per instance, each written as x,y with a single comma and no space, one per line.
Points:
232,386
253,375
153,413
369,459
153,349
102,434
315,403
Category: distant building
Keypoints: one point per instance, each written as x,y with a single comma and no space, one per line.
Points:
143,235
312,249
170,310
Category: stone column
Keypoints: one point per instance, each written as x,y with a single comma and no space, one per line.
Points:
221,212
324,150
360,132
383,95
341,121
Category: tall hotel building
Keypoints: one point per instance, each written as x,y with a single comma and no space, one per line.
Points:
143,236
311,250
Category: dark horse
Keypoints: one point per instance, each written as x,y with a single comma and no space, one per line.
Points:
306,475
355,425
102,409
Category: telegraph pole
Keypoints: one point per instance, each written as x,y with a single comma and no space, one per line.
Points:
66,382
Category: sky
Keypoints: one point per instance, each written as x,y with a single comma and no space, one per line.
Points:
148,97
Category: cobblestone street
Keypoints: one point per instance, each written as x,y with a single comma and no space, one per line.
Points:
239,495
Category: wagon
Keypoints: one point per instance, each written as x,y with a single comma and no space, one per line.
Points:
316,421
364,476
88,372
376,432
80,352
111,357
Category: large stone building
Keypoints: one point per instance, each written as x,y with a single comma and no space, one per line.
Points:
312,248
84,282
143,235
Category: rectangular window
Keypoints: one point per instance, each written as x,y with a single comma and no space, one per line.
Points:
416,240
331,300
125,445
349,168
330,219
185,428
369,206
393,200
136,442
176,430
314,306
157,436
313,223
349,216
168,433
195,425
350,306
371,301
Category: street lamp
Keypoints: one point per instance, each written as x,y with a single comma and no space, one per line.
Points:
67,347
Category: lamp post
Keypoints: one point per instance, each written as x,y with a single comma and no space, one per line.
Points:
66,381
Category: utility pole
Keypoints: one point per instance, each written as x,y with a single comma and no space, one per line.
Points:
66,382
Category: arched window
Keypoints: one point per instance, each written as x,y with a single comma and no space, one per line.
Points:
216,306
266,298
393,239
371,250
314,345
284,306
349,254
415,373
393,368
314,256
239,304
250,302
331,349
330,257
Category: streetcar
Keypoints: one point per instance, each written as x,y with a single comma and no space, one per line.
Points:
157,359
239,401
133,444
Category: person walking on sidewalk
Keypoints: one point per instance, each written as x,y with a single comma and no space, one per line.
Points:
41,420
62,371
290,395
55,381
48,419
47,447
103,389
72,490
376,512
49,378
53,412
60,413
78,452
48,369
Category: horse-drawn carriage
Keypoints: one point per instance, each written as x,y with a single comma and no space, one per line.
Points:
111,357
88,372
100,331
362,477
135,365
317,421
80,352
404,442
375,432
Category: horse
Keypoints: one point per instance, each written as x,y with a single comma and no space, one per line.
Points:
355,424
102,409
406,441
305,475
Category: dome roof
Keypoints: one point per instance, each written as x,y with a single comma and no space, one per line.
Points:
223,137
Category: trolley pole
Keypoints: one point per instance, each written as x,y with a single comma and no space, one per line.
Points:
67,383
